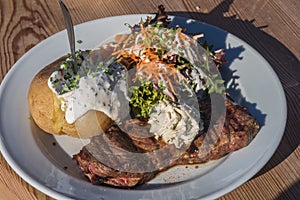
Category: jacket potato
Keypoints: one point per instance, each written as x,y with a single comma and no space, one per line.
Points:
45,109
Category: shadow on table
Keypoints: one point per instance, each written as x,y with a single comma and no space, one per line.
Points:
291,193
280,55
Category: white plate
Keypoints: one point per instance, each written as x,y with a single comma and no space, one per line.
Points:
33,156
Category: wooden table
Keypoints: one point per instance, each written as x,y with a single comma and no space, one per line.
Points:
272,27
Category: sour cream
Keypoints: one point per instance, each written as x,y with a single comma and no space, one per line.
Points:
96,90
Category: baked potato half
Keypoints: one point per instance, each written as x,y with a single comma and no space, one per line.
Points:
46,111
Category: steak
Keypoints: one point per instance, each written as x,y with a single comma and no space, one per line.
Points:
119,158
128,155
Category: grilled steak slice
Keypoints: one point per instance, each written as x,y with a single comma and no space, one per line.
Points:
238,131
101,159
99,173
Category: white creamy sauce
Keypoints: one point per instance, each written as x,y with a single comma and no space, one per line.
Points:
95,91
175,124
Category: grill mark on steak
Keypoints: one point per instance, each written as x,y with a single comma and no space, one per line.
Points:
238,131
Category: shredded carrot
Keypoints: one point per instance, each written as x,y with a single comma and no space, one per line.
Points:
150,64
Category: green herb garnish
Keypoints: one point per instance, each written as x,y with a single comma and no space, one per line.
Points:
143,98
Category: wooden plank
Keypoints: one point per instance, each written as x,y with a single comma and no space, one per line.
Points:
11,185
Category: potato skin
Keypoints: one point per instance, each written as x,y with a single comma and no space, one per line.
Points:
47,114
